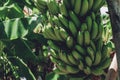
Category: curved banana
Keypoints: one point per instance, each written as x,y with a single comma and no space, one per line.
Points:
58,71
56,21
49,30
90,4
93,16
52,45
81,65
94,31
89,23
77,6
69,42
57,33
100,44
97,71
86,38
96,4
72,69
80,39
77,55
92,44
63,33
105,64
64,21
72,28
88,61
83,27
100,31
74,18
91,53
84,8
72,59
87,70
63,57
53,53
80,49
62,67
97,59
63,9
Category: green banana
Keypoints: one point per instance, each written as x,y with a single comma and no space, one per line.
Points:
94,32
53,46
74,18
97,71
46,35
63,9
56,21
69,42
64,21
100,31
91,53
77,6
63,33
58,71
92,44
80,38
86,38
83,27
49,30
76,55
54,60
89,23
57,33
90,4
87,70
88,61
63,57
81,65
84,7
52,7
72,69
100,44
72,59
53,53
104,52
105,64
96,4
80,49
62,67
72,28
93,16
97,59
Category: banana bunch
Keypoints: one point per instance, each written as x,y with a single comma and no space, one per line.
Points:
80,7
74,32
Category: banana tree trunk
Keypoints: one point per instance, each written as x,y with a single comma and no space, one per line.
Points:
114,11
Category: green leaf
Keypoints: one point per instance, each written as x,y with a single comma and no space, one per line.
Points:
18,27
23,69
22,50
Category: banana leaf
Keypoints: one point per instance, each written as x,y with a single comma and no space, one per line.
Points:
23,70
